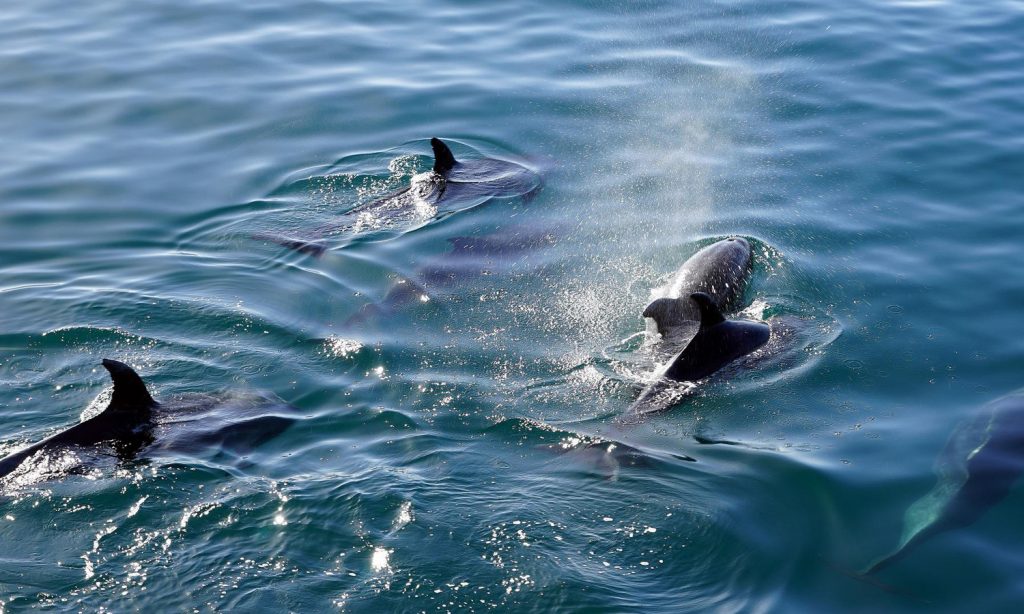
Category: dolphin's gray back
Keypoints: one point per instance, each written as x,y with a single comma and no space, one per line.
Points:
199,423
994,468
720,270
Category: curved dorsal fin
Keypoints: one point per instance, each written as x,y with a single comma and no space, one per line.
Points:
129,390
443,158
657,308
709,312
663,312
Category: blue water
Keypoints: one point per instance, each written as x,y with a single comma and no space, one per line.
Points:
870,150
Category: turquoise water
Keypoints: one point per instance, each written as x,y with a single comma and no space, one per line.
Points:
870,151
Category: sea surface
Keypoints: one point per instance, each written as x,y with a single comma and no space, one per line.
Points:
458,444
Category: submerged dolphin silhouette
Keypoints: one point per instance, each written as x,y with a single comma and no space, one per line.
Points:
450,185
980,465
717,343
133,420
719,270
127,420
470,257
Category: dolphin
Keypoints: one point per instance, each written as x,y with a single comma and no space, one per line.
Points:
127,420
429,187
469,257
133,420
450,185
979,467
717,343
719,270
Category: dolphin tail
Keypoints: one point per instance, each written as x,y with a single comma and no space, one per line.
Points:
443,158
130,392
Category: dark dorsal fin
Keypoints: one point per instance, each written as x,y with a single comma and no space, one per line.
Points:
129,390
657,308
709,312
443,158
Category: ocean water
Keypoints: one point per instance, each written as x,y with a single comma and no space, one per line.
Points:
451,451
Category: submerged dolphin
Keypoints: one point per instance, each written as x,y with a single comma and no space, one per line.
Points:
469,258
717,343
719,270
450,185
133,420
979,467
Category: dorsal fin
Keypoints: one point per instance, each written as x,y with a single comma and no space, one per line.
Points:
443,158
662,311
709,312
656,308
129,390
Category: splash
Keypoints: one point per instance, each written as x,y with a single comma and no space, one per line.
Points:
342,347
404,517
380,560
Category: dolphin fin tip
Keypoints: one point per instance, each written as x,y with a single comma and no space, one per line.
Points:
651,310
115,367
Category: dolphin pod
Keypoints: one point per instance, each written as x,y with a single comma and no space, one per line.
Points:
132,415
981,464
978,469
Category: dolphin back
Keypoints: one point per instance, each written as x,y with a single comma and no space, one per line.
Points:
13,461
720,270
